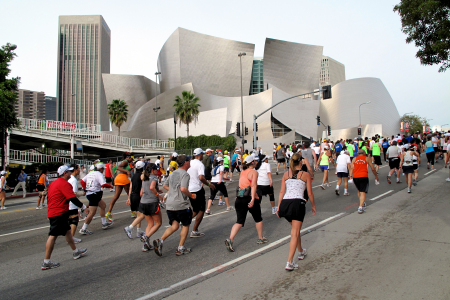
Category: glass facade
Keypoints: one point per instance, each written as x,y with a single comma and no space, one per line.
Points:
257,84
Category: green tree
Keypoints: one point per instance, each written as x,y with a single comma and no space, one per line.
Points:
427,23
186,108
8,93
118,112
415,122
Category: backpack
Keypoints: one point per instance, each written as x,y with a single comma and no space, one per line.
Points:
214,172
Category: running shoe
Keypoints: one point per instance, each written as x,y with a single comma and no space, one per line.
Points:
229,245
221,203
389,179
337,192
322,186
262,241
85,232
158,247
230,208
76,240
208,211
428,167
139,233
107,225
360,210
276,172
409,191
162,205
183,250
328,185
109,217
364,206
196,234
111,191
146,240
79,253
448,179
145,248
4,207
301,255
346,194
49,265
398,182
274,210
217,198
133,214
128,232
414,182
291,266
38,207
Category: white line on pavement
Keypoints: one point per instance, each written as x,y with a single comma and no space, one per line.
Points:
321,185
206,273
382,195
429,172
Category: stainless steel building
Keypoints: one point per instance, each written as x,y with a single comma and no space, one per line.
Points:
84,46
331,72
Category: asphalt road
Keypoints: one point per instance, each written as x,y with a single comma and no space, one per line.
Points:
117,268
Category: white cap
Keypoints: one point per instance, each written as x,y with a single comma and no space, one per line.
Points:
208,150
92,167
219,158
255,157
174,154
2,172
265,157
140,165
237,150
63,169
99,166
198,151
249,159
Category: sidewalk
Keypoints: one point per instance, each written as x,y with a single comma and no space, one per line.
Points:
398,249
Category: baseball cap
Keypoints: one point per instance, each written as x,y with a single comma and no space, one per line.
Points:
208,150
174,154
198,151
265,157
249,159
62,169
99,166
237,150
140,165
225,152
2,172
219,158
92,167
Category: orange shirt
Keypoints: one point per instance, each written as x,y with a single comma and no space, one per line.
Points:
360,167
244,182
41,180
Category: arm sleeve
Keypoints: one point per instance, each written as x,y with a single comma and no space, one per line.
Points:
83,184
107,186
76,202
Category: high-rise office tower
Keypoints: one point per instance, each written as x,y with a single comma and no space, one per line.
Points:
84,48
30,104
50,108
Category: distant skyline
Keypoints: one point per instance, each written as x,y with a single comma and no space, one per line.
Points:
365,36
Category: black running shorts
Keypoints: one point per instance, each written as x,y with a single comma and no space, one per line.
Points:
219,188
149,209
59,225
377,160
292,209
135,199
95,198
265,190
362,184
394,163
241,206
73,217
199,203
183,217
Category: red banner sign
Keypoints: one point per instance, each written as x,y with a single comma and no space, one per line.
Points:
406,126
61,125
402,126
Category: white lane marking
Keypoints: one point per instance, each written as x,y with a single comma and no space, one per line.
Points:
382,195
429,172
206,273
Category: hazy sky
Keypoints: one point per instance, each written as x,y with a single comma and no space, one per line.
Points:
363,35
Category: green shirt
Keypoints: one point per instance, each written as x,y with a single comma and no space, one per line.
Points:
226,161
350,149
114,169
324,160
376,151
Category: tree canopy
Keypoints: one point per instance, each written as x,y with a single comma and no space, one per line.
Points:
427,23
186,108
8,88
415,122
118,112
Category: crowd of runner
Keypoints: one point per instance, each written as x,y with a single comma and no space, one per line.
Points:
180,188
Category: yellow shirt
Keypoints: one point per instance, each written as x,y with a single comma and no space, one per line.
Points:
278,148
174,165
244,156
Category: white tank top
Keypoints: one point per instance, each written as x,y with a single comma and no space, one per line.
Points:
295,188
408,159
4,183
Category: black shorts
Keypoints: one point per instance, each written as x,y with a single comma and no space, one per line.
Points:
408,169
95,198
226,169
281,160
416,167
149,209
265,190
59,225
235,166
219,188
40,187
377,160
369,152
394,163
362,184
135,199
241,206
199,203
184,217
74,220
342,174
108,179
338,153
292,209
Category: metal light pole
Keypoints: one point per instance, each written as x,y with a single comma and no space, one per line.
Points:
156,108
360,111
242,102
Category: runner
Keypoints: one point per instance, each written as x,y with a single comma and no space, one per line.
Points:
274,151
406,162
121,182
173,163
109,174
375,148
134,199
42,189
394,161
247,200
73,208
435,142
447,158
416,159
234,164
226,164
178,210
343,165
93,183
59,195
265,183
430,152
385,146
217,181
291,206
324,163
360,175
2,192
197,177
281,158
338,148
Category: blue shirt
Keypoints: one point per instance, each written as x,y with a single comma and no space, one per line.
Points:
385,145
409,138
22,177
338,147
233,158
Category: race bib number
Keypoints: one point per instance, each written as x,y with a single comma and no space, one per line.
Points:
89,183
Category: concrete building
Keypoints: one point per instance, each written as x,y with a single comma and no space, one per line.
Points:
83,55
331,72
50,108
30,104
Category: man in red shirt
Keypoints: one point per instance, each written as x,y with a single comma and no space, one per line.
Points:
108,174
60,193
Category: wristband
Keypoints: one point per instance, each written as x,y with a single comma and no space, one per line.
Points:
84,207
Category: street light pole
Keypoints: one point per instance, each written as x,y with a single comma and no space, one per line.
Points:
360,111
242,102
156,104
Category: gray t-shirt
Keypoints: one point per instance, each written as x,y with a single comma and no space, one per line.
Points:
280,153
147,194
176,200
308,154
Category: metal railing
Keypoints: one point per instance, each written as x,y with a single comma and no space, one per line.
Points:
27,156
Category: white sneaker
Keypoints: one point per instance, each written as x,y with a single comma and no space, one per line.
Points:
229,208
208,212
301,255
76,240
4,207
291,266
274,210
140,233
221,203
409,191
322,186
360,210
448,179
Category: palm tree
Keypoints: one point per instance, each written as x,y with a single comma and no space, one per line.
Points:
186,108
118,112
